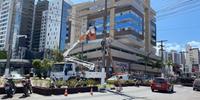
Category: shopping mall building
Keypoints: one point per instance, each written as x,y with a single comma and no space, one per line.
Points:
127,41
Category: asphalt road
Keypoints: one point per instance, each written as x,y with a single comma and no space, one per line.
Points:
128,93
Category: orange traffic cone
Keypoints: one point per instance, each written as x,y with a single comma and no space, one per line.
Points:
66,93
91,92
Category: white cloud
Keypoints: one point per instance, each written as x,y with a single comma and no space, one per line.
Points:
194,44
179,47
174,46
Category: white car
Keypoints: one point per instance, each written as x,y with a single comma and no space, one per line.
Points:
124,77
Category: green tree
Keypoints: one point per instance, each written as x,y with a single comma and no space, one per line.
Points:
46,66
42,67
146,61
157,64
3,54
56,55
38,68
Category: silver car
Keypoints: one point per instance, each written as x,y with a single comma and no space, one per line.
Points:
196,84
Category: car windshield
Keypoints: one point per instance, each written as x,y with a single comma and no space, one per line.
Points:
160,80
58,68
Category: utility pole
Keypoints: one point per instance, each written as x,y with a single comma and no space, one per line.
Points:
103,43
110,63
162,49
147,25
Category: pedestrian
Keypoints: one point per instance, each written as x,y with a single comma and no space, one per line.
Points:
119,84
29,84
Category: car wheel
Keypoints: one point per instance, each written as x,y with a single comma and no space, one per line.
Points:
169,89
172,89
152,90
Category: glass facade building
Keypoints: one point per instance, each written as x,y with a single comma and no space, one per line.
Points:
126,20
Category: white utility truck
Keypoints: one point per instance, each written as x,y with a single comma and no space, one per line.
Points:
68,69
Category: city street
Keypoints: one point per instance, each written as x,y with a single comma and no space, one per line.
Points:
128,93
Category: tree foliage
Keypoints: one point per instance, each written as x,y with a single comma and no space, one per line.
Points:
80,56
54,55
42,66
3,54
158,64
57,56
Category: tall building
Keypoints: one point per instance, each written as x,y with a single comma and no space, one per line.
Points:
125,26
192,59
43,30
6,13
16,19
40,7
128,22
23,23
174,56
57,24
165,55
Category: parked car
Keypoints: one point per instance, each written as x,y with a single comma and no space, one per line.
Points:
196,84
162,84
187,81
124,77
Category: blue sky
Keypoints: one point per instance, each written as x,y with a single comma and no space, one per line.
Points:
180,29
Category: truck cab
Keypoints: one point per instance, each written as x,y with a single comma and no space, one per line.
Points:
63,71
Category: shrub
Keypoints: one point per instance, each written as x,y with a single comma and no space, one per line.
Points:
90,82
60,83
112,82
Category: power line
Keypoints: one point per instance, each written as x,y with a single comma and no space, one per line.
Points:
179,10
175,6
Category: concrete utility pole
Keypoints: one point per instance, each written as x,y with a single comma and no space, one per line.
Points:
112,19
104,38
162,49
147,38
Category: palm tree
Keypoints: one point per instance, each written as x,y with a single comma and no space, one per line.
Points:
157,64
146,61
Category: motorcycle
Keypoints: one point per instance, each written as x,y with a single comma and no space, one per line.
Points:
25,88
9,88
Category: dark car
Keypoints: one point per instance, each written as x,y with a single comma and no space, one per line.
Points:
162,84
187,81
196,84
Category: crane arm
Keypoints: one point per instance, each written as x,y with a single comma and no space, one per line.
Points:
66,54
82,38
89,65
90,33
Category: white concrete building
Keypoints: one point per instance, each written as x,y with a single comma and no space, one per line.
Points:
192,59
6,12
43,30
57,24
